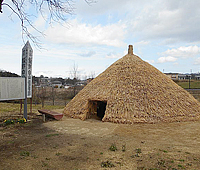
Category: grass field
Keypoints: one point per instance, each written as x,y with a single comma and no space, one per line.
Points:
7,109
193,84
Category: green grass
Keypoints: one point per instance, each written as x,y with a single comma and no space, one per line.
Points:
107,164
58,154
24,153
49,135
113,147
138,150
181,160
180,166
15,107
164,151
193,84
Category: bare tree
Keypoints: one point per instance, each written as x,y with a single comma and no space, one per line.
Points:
36,95
74,74
44,94
92,74
53,95
56,10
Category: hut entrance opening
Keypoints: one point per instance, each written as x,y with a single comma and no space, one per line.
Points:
97,109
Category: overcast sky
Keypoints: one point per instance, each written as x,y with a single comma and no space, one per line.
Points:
166,33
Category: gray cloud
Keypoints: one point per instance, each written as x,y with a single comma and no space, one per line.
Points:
169,21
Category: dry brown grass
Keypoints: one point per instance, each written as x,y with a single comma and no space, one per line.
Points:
9,110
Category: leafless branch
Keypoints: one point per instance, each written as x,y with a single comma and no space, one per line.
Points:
24,18
58,11
1,1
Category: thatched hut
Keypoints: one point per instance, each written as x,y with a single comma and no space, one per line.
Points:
131,90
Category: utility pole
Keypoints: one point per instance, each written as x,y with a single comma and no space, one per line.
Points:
190,76
189,82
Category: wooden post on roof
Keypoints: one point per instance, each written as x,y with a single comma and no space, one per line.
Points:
130,49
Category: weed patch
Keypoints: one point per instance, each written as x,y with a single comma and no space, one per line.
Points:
138,150
24,153
113,147
50,135
161,162
123,148
181,160
13,121
107,164
58,154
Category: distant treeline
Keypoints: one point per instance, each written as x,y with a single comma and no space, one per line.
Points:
36,80
4,73
7,74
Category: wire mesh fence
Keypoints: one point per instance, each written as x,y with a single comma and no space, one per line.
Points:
54,96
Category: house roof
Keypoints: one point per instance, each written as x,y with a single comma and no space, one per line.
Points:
56,82
135,91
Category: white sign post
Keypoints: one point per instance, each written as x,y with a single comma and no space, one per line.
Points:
27,55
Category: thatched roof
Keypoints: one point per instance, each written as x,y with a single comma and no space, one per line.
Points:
135,91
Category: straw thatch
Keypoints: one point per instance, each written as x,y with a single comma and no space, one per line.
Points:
134,91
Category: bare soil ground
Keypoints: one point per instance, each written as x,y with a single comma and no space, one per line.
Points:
73,144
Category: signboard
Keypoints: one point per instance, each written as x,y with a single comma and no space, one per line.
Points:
27,55
12,88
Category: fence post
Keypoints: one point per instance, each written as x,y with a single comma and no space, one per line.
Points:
53,95
31,104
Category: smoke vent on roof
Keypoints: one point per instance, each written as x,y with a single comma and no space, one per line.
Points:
130,49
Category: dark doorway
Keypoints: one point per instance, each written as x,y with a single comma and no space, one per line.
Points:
96,109
101,108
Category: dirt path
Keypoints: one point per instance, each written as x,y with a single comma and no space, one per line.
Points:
73,144
88,128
